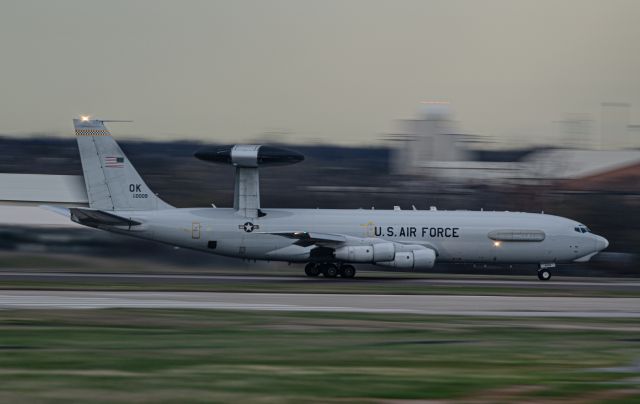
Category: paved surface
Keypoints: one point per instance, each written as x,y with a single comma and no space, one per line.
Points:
414,304
611,284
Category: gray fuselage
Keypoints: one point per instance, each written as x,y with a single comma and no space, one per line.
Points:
456,236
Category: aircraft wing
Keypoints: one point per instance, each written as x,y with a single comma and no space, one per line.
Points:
95,218
305,239
333,240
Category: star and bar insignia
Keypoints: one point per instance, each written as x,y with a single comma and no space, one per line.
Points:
248,227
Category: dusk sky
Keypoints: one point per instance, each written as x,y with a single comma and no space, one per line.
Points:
336,71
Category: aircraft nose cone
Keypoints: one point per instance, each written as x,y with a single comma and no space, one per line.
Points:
601,243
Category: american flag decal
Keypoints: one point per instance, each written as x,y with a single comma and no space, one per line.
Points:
114,162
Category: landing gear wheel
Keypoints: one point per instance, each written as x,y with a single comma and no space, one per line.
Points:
311,269
348,271
544,274
329,270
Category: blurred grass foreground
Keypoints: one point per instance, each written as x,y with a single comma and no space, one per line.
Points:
209,356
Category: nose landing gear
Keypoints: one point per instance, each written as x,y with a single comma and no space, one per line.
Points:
544,274
544,271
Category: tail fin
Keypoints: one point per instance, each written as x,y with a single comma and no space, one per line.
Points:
112,182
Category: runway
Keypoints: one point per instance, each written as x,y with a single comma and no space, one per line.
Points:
446,305
564,283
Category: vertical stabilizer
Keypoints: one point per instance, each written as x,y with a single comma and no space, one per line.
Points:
112,182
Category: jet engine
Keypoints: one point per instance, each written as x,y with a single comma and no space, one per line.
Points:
367,253
416,259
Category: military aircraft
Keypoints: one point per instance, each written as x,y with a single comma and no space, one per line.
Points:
328,241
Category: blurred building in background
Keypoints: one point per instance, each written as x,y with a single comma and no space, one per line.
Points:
430,146
430,139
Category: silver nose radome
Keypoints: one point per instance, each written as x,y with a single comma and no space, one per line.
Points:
601,243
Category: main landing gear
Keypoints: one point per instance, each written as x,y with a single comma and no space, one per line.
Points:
544,271
312,269
330,270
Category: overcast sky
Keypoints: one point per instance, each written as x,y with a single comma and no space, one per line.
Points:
339,71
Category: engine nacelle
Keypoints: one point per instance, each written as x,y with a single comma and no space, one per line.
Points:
416,259
366,253
359,253
384,252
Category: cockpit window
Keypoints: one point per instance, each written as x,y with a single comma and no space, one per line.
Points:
582,229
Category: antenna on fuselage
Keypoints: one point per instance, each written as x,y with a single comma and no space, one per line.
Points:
247,159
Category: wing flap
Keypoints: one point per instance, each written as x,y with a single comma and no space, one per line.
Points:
305,239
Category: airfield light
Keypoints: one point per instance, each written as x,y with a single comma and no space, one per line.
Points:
496,244
85,118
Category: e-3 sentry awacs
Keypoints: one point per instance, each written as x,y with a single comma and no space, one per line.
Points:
328,241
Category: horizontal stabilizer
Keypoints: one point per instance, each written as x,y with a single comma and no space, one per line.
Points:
95,218
35,189
34,217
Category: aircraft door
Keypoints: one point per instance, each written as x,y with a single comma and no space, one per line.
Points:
195,230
